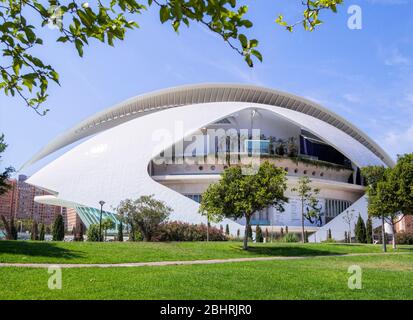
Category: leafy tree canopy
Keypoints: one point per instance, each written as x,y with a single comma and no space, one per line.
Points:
145,214
27,76
310,207
390,191
237,195
5,175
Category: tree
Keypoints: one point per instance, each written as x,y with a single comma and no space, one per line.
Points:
5,175
360,231
58,228
391,192
93,233
120,231
42,232
227,229
374,174
369,230
77,23
310,208
107,224
34,234
237,195
146,214
348,218
329,237
345,237
249,232
10,227
258,234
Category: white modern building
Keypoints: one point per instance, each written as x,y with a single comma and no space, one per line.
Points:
173,143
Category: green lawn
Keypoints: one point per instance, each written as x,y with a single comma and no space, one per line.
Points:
384,277
88,252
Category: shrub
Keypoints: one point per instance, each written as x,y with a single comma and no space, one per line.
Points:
34,234
290,237
329,237
120,231
404,237
93,233
227,230
58,228
258,234
42,232
180,231
369,231
360,230
137,236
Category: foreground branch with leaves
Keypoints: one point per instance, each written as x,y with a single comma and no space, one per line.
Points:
27,76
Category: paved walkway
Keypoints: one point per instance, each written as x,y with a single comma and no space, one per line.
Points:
186,262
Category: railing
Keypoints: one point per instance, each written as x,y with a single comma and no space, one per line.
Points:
260,222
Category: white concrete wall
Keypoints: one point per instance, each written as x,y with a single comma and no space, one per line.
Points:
339,226
112,165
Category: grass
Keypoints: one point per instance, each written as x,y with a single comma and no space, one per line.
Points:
383,277
123,252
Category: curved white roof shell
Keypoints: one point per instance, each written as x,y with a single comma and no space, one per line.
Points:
200,94
113,164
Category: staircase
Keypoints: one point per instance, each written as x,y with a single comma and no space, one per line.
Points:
339,226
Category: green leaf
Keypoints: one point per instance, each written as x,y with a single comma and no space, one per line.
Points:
243,39
176,25
62,39
257,54
79,47
55,76
30,34
16,67
164,13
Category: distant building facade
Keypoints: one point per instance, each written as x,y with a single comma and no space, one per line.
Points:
19,202
8,200
405,224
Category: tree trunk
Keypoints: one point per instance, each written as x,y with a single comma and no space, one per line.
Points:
302,222
247,223
393,226
383,234
207,230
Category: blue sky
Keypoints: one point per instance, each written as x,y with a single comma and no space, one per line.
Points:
364,75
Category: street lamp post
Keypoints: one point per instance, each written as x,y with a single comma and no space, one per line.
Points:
101,202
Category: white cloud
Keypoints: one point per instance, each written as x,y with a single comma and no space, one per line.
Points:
352,98
399,142
395,58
